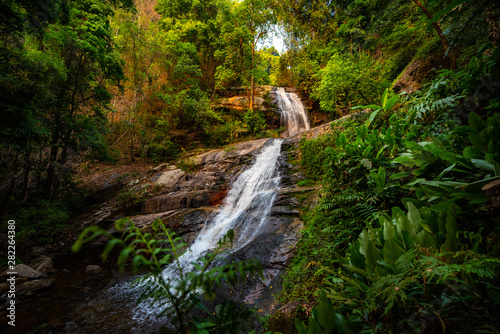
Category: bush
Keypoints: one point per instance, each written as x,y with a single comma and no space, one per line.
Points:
223,134
348,81
254,120
162,152
39,225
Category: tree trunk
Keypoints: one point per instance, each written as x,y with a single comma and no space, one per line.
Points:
435,24
252,83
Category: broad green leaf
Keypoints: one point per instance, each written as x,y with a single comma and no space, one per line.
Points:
475,122
342,324
484,165
324,310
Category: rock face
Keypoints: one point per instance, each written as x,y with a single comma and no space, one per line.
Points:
169,178
178,200
417,71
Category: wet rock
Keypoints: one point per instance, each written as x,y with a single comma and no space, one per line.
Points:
94,269
182,222
284,210
43,264
29,287
178,200
23,271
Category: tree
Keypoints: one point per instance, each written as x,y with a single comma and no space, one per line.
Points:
434,24
259,19
56,82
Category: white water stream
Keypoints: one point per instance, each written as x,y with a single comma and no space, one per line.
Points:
246,208
293,113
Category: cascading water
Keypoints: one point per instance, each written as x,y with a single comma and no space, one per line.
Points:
293,113
246,208
90,305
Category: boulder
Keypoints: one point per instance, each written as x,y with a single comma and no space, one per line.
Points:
94,269
169,178
43,264
23,271
30,286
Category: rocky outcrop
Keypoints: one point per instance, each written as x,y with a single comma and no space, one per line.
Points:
178,200
231,152
169,178
241,103
244,90
322,129
418,72
27,279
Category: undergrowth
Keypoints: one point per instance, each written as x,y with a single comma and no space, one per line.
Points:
403,238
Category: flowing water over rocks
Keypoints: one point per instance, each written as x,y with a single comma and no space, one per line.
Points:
293,113
261,210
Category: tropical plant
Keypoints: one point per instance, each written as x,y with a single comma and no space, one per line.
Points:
153,250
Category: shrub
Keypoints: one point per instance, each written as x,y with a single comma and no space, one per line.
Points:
39,225
162,152
348,81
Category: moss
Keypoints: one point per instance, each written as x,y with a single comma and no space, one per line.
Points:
283,320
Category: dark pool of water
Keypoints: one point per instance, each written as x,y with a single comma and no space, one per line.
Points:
78,301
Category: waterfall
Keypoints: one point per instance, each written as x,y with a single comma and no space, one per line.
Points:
246,208
293,113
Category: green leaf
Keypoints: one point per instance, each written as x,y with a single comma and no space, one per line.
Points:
484,165
369,252
109,247
372,118
446,10
325,309
390,103
451,243
301,328
471,152
342,324
476,122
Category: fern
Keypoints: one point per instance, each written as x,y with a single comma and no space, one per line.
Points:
365,211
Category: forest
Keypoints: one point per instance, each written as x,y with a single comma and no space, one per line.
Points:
402,232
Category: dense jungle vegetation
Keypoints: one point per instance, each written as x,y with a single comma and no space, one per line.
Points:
405,235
